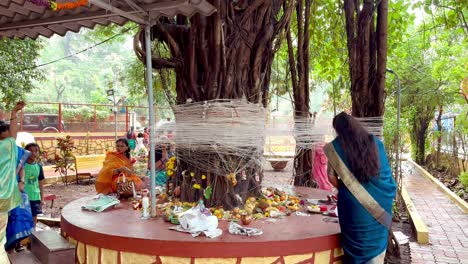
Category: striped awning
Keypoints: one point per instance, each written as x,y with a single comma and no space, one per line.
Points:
23,19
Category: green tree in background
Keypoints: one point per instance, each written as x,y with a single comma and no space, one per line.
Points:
17,68
431,61
78,74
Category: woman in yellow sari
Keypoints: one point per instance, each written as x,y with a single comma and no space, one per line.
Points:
116,163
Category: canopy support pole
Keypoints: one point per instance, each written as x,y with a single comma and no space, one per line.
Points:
149,79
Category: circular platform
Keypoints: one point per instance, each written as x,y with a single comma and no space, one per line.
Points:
120,236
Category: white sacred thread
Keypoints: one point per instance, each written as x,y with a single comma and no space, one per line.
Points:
307,132
373,125
227,135
232,130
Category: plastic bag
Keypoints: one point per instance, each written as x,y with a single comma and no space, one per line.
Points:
237,229
196,220
100,203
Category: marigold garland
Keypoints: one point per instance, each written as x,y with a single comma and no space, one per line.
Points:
53,5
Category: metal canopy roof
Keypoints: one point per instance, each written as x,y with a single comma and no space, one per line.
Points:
22,19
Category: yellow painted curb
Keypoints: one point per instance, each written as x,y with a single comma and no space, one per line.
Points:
422,233
451,195
57,179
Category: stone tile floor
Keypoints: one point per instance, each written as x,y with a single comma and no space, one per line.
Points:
447,223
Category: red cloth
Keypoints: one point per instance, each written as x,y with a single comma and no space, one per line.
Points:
319,170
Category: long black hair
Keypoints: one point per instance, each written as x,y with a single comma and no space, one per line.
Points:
4,126
359,148
125,141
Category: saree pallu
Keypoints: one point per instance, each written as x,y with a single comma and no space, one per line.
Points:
22,157
10,197
106,178
3,225
363,237
20,221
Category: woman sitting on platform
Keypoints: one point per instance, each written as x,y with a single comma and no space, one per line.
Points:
161,157
117,165
366,189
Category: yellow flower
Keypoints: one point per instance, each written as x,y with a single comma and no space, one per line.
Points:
192,174
172,159
170,173
170,166
203,176
232,178
197,186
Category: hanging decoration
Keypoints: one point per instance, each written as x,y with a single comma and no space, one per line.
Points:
53,5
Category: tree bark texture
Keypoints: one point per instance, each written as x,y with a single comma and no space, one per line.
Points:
366,28
227,55
299,67
421,120
439,135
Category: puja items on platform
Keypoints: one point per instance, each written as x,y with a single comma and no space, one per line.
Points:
197,220
236,229
273,203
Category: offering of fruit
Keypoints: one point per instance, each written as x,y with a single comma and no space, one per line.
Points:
246,219
313,209
316,208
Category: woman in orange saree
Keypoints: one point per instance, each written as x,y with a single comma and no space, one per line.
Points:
115,163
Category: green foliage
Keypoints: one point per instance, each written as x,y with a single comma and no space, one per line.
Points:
85,77
431,61
84,113
65,160
42,108
464,178
17,69
461,123
329,46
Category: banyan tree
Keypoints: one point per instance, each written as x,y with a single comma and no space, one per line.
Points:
366,28
222,65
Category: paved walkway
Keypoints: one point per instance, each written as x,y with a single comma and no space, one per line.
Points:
447,223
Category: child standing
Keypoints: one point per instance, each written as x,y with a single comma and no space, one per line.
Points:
34,178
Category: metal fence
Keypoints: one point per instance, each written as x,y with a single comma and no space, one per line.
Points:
69,117
45,117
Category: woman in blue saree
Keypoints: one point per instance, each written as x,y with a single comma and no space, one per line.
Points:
10,197
20,221
361,172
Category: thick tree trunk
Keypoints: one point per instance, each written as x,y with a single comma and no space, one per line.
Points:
299,67
227,55
439,135
367,51
421,121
